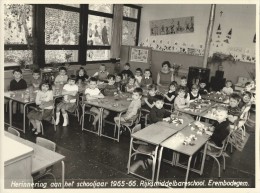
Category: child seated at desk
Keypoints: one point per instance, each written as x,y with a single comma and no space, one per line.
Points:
102,74
69,102
92,93
138,76
171,94
118,82
182,99
62,77
202,88
149,100
18,83
245,105
233,109
158,113
36,80
131,85
147,78
219,129
82,75
126,73
133,108
44,98
228,90
194,93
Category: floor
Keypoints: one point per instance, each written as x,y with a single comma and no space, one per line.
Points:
92,160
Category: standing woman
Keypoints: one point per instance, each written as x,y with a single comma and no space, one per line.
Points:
165,75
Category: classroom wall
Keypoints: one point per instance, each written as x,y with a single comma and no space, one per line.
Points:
241,18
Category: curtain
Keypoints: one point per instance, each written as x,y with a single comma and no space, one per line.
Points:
116,39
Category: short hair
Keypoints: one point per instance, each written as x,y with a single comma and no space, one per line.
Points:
182,88
102,65
37,71
247,84
148,70
120,75
195,86
127,64
229,81
81,68
17,70
183,77
166,63
152,86
222,108
62,68
93,79
247,93
131,77
158,98
235,96
111,76
46,83
139,69
173,83
138,90
72,77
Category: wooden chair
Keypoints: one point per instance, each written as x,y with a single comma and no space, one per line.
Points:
48,171
144,115
13,131
76,111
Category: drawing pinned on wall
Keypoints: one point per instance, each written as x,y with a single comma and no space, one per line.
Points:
219,30
139,55
254,39
172,26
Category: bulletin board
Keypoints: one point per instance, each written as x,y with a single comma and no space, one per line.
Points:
139,54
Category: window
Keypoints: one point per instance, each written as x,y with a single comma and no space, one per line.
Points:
18,34
99,31
131,23
62,32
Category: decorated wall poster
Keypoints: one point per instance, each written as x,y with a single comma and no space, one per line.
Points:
172,26
139,55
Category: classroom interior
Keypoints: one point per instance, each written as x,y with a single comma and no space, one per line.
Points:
48,36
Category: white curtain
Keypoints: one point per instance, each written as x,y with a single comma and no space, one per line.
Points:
116,39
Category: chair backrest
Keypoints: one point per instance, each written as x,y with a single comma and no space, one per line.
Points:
136,128
13,131
46,143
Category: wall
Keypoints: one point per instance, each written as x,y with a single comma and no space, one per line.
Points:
241,18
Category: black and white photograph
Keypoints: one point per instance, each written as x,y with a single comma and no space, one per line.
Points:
130,95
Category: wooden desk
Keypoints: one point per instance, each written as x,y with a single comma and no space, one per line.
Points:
42,157
117,104
175,143
19,96
154,134
197,108
216,96
210,113
17,162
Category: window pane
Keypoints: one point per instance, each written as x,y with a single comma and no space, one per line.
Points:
61,56
73,5
15,57
130,12
107,8
17,23
129,33
99,30
94,55
61,27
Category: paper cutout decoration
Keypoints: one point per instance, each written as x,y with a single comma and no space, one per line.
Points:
254,40
219,30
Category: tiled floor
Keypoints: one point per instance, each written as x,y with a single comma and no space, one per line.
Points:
90,157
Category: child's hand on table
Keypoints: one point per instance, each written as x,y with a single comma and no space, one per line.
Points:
167,119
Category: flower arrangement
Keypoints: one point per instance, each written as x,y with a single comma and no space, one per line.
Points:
175,68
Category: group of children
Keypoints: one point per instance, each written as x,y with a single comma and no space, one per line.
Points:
177,96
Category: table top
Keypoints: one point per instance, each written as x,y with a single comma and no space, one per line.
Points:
216,96
113,103
197,108
154,134
175,123
42,157
21,95
176,142
210,113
